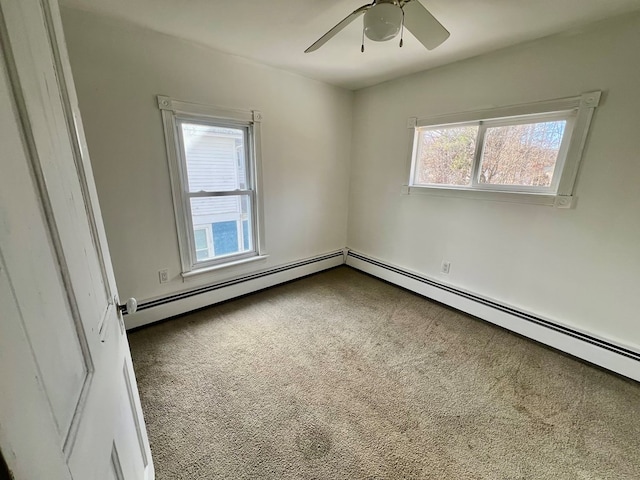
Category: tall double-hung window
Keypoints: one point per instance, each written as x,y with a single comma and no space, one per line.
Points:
214,162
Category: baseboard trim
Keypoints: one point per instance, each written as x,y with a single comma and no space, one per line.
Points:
151,311
599,351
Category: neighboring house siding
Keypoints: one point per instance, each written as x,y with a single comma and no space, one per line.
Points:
212,164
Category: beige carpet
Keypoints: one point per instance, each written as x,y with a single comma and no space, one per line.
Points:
341,376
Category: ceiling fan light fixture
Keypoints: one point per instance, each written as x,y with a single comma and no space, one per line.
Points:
382,22
384,19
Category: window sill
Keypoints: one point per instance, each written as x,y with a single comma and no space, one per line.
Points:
545,199
214,268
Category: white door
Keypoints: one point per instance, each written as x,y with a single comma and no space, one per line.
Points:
69,405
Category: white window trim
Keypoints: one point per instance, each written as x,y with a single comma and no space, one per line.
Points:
173,111
579,111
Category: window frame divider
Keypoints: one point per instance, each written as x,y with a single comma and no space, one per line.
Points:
477,157
219,193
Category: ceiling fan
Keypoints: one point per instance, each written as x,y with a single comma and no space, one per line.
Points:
384,19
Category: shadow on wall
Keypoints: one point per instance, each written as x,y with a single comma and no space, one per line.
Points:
4,470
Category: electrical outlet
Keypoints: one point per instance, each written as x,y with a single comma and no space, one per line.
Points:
163,275
446,266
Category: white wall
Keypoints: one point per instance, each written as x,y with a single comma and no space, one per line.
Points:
578,267
118,70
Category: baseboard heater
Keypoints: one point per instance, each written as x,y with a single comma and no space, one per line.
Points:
598,351
582,345
269,277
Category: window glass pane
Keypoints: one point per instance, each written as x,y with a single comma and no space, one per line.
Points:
247,224
225,237
445,155
201,237
229,220
522,155
202,255
215,157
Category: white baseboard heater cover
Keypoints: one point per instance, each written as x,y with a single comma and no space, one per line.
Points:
604,353
150,311
601,352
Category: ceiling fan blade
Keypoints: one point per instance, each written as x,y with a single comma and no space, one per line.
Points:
423,25
335,30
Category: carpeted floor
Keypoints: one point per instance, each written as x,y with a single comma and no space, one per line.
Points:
341,376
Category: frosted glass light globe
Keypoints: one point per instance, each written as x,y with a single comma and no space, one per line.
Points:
382,22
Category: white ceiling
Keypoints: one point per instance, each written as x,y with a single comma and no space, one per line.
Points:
276,32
